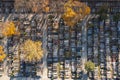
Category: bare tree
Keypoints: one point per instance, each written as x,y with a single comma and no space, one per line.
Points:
23,5
40,5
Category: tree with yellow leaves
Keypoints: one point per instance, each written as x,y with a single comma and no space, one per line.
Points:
9,29
68,16
74,11
46,9
32,51
2,54
87,10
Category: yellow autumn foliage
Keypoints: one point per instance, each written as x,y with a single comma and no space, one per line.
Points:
70,12
74,11
2,54
32,51
68,16
34,9
9,29
68,4
46,9
87,10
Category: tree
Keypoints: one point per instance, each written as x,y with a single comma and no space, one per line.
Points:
57,6
90,24
32,5
9,29
74,11
102,11
27,5
116,17
68,54
2,54
1,29
32,51
21,5
40,5
87,10
89,66
68,16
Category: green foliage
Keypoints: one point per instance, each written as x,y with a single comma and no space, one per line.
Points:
103,12
103,9
67,54
89,66
50,16
90,25
116,17
103,16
